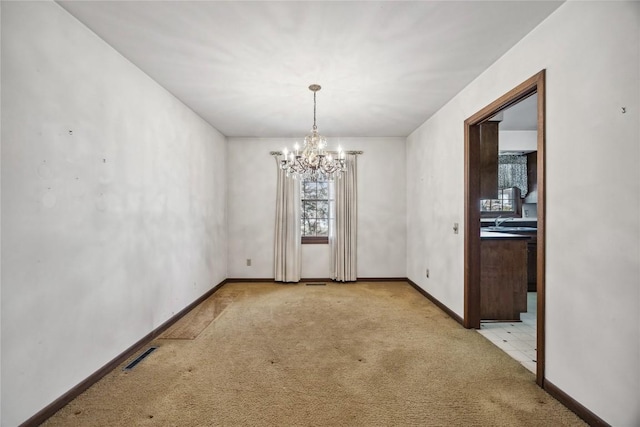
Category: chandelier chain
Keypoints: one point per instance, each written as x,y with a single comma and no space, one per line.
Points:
314,111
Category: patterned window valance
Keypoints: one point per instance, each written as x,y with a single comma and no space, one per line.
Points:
512,172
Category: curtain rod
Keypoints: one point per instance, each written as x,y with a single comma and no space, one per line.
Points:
279,153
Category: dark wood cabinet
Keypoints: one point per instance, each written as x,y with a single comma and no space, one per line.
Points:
489,160
532,257
503,278
532,265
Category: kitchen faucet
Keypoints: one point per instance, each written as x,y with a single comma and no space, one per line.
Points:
500,221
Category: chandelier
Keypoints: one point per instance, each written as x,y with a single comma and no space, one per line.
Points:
313,161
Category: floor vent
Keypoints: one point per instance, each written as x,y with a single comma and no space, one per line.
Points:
139,359
316,284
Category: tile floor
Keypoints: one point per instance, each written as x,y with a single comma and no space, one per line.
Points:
518,339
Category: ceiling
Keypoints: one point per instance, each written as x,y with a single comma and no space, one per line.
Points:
521,116
384,67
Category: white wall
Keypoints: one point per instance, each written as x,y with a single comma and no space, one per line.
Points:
113,205
381,208
591,53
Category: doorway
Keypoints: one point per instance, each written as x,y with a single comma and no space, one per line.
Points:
472,260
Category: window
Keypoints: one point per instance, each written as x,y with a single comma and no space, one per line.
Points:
512,187
508,202
316,198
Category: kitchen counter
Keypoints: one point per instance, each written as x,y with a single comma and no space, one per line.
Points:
487,235
517,221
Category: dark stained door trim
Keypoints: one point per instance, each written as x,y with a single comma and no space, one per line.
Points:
535,84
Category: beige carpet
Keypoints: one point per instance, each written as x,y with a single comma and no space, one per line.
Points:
365,354
194,322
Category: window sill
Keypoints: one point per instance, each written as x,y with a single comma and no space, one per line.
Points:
315,240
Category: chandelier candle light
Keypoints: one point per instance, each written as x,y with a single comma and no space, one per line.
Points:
313,162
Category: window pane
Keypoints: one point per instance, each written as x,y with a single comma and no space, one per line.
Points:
322,209
309,210
308,190
310,227
322,227
323,190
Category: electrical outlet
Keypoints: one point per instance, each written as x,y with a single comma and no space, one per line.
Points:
427,273
248,262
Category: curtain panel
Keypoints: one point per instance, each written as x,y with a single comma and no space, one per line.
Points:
343,234
512,172
287,259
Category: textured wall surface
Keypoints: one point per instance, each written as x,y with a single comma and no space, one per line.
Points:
591,53
113,205
381,208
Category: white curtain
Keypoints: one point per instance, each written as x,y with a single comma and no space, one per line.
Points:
343,234
287,258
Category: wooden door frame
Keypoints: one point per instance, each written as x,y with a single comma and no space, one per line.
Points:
535,84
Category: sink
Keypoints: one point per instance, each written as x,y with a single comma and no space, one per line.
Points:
507,229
